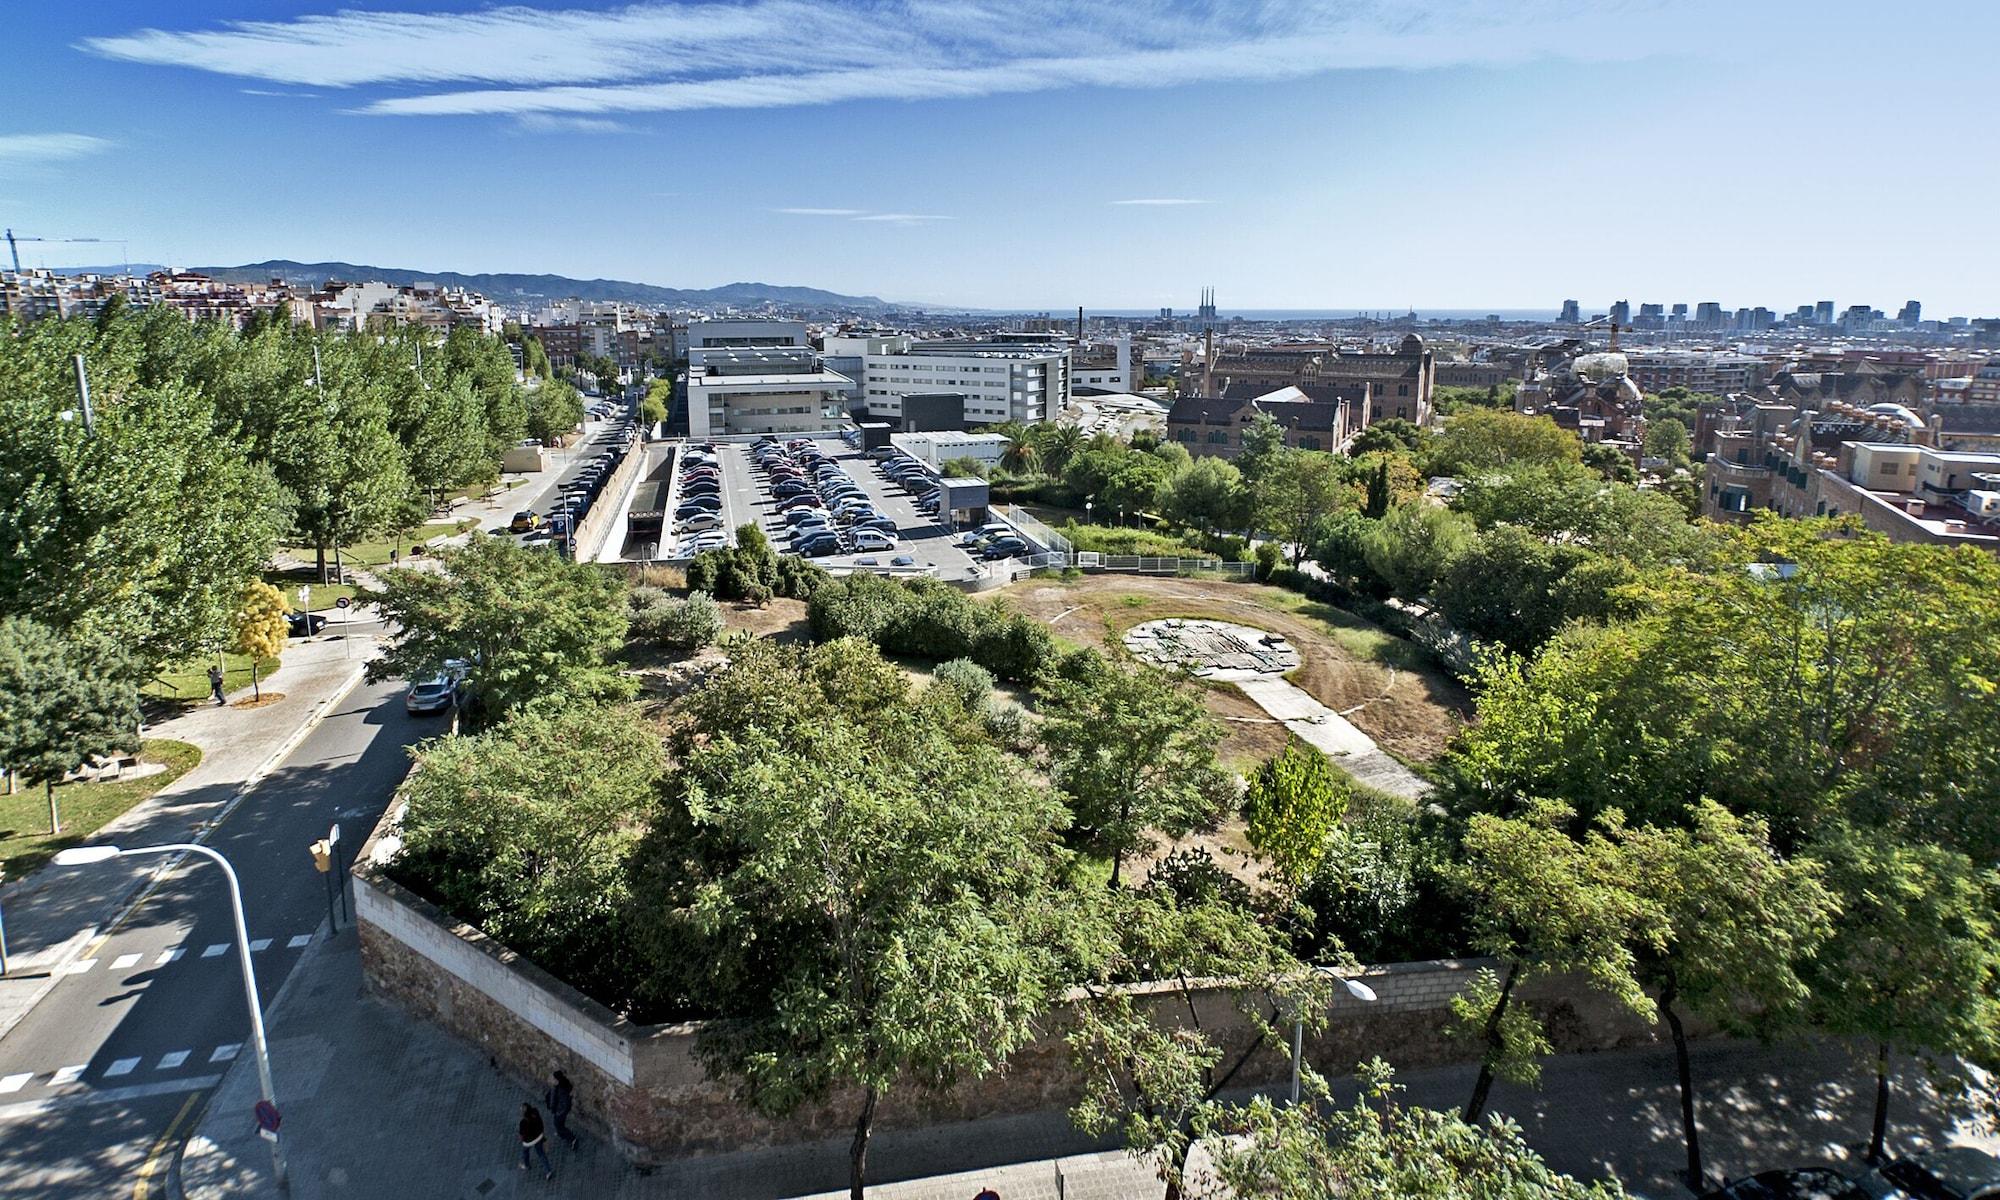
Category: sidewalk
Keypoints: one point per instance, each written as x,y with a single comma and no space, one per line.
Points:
377,1103
54,913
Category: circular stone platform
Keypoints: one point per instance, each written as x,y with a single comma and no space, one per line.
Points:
1212,649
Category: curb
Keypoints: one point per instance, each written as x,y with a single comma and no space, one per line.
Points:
123,905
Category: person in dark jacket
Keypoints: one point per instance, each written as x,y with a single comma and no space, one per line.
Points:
215,685
561,1098
533,1139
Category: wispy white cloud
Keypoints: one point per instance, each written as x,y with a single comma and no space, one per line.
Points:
902,218
35,149
657,57
1158,202
276,92
821,212
535,122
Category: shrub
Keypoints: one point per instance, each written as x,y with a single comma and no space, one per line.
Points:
662,620
970,682
752,571
929,619
1268,557
1009,727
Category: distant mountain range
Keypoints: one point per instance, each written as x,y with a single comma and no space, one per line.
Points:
519,290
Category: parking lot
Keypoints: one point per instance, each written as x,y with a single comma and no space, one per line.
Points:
747,492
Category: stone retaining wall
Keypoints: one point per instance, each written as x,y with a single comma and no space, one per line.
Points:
644,1087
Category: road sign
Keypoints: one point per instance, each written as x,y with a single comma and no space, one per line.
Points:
305,595
333,835
343,602
267,1116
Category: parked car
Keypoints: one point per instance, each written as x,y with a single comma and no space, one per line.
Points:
874,539
525,522
300,624
699,521
1947,1173
902,560
433,695
1004,548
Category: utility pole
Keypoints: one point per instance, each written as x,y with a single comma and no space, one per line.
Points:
83,394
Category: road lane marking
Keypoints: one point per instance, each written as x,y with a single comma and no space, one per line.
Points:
79,966
143,1186
64,1075
260,944
299,942
216,950
123,1066
14,1083
225,1052
117,1095
123,961
167,956
171,1060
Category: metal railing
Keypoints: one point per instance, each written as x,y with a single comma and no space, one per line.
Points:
1034,530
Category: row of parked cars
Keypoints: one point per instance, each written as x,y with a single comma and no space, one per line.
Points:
581,490
823,510
698,514
1947,1173
990,542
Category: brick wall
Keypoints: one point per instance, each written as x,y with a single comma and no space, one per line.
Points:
643,1086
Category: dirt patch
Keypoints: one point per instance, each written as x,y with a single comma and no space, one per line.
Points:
780,620
1385,685
268,698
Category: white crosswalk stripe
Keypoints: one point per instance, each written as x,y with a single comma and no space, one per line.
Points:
124,960
167,956
225,1052
218,949
171,1060
14,1083
80,966
123,1066
260,945
302,940
64,1075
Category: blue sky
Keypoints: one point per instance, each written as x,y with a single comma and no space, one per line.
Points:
1004,153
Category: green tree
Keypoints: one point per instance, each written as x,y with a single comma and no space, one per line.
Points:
535,626
1132,750
1292,805
527,831
1208,495
1389,435
1262,440
1481,439
554,409
1378,1150
1667,438
1568,503
1544,901
962,468
859,932
260,628
1297,491
1913,965
1611,462
653,409
1741,920
1509,586
1412,546
142,527
1056,445
1377,504
62,702
1145,1072
1342,552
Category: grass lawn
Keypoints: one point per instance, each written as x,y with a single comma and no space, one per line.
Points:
376,553
85,807
189,680
323,594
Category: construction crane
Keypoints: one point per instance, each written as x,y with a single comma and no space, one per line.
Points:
1604,321
15,251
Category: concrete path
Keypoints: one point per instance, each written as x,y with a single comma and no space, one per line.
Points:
1354,751
54,913
378,1103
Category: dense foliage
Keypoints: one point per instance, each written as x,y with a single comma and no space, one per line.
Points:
929,619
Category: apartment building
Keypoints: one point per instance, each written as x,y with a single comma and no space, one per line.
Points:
1714,371
760,377
1883,464
1399,381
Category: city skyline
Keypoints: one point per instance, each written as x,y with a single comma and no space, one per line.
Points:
1463,155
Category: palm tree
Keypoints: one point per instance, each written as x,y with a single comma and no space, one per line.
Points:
1059,444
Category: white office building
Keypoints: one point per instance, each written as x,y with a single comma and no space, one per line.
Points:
1000,381
760,377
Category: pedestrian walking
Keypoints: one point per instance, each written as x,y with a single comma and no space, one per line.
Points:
215,685
561,1098
533,1139
987,1194
395,556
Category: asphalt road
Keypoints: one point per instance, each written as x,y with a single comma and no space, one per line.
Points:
598,440
102,1079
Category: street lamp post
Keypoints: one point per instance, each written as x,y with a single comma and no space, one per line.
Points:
84,855
1356,989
